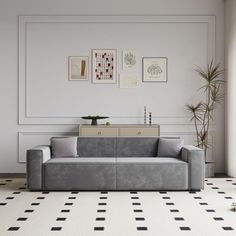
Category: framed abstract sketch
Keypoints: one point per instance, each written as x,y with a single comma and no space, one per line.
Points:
104,66
129,59
78,68
154,69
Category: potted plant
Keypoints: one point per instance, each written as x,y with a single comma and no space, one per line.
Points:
202,112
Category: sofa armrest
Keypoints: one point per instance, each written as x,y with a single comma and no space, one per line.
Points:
35,158
195,157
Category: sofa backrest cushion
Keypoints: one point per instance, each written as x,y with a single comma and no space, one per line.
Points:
64,146
96,146
137,146
169,147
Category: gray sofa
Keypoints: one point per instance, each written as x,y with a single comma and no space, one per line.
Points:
115,163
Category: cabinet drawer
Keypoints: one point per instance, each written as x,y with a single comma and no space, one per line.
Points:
139,131
99,132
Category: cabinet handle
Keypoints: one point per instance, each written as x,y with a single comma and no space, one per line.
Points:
99,132
139,132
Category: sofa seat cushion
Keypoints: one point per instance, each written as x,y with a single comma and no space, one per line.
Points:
80,173
82,160
151,174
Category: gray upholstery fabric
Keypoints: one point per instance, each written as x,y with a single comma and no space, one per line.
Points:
96,147
159,173
136,147
76,173
169,147
195,157
64,146
34,160
135,168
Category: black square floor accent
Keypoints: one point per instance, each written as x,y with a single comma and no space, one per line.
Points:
3,203
100,218
210,210
16,192
8,180
101,210
228,198
45,192
214,187
133,192
142,228
218,218
68,204
227,228
35,204
163,192
2,184
174,210
138,210
165,197
74,192
61,219
179,218
134,197
103,198
40,197
209,183
184,228
13,228
229,180
233,183
65,210
136,203
221,192
139,218
29,211
104,192
71,197
56,228
22,188
197,198
102,204
98,228
9,198
203,203
170,204
206,180
22,219
192,192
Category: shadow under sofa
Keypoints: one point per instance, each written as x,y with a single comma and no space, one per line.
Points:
115,163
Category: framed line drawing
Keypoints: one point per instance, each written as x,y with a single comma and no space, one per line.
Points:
129,80
104,66
129,59
154,69
78,68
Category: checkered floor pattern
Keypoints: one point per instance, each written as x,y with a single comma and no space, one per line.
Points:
208,212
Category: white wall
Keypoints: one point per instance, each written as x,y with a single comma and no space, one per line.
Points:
230,61
173,120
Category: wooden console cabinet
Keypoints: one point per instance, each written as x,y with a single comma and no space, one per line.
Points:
119,130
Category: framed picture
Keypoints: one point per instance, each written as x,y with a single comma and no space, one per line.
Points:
78,68
129,80
154,69
129,59
104,66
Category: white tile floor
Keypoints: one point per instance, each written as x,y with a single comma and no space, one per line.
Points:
202,213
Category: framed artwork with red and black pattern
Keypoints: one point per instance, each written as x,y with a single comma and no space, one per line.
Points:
104,66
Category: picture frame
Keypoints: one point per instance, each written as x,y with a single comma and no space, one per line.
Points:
129,81
104,66
129,59
155,69
78,68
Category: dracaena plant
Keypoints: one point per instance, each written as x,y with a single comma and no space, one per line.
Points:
202,112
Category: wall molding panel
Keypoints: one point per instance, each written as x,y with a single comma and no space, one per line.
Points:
27,116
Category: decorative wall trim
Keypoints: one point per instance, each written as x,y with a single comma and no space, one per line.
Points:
24,21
